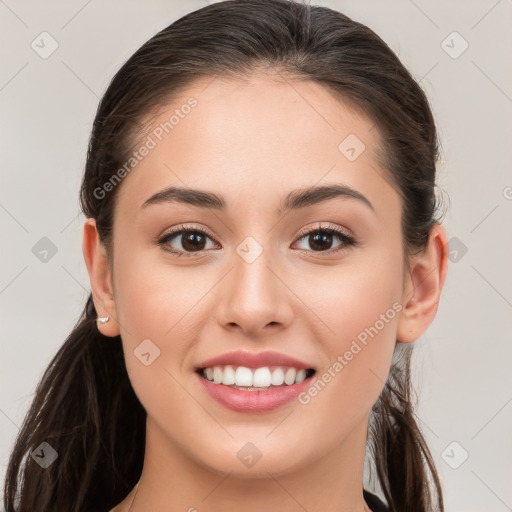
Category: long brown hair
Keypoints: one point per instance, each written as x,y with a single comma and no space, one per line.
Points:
84,406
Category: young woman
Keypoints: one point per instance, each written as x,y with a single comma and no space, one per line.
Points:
263,245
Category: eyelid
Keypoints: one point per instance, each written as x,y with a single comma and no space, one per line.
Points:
329,227
186,228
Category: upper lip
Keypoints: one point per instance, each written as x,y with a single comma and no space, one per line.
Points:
254,360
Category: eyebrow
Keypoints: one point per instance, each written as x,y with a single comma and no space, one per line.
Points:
296,199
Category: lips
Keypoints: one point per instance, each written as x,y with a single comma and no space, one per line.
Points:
254,382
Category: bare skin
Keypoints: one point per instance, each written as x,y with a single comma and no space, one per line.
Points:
253,142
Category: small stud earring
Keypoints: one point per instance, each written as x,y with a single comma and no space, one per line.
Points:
103,319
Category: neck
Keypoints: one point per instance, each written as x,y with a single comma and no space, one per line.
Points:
331,483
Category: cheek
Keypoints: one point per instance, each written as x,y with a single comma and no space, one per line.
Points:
360,305
354,296
152,304
152,298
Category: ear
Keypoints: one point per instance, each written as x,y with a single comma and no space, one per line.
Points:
97,264
422,286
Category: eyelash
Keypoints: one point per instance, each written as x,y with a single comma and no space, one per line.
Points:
346,240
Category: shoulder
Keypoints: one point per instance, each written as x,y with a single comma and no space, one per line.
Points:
374,502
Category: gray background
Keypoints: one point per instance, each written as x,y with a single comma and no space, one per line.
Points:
462,364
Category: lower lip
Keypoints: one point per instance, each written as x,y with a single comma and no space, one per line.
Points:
253,401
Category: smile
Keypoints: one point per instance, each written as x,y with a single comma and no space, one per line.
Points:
254,382
255,379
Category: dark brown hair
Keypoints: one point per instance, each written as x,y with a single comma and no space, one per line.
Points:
84,405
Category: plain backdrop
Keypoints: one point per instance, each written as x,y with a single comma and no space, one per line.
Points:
459,51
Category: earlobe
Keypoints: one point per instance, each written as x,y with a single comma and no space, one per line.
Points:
423,285
97,263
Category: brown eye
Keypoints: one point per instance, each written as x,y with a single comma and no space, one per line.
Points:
183,241
193,241
322,239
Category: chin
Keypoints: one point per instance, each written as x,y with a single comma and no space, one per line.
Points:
256,459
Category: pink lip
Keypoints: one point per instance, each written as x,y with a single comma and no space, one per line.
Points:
254,360
253,401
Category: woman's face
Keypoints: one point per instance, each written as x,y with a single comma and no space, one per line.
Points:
257,283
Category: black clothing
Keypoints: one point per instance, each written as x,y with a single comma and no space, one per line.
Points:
374,502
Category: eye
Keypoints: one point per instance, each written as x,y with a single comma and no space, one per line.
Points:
191,240
195,240
321,239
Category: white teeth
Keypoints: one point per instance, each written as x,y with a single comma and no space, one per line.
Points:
229,376
301,375
218,374
243,376
289,376
277,377
264,377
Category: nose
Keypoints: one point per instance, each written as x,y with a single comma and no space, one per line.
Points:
254,298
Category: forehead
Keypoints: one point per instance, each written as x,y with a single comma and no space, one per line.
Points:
258,137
